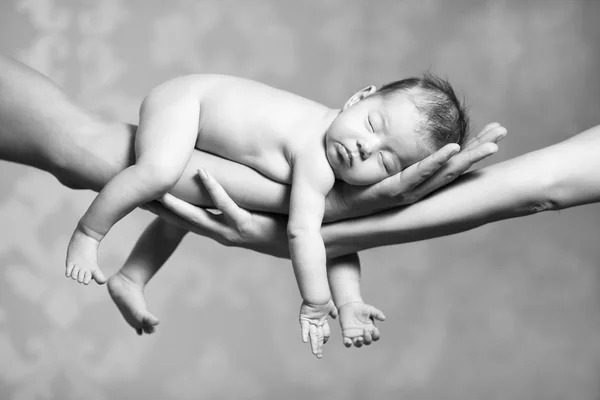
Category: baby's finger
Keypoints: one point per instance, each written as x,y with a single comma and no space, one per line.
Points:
81,275
375,334
304,326
139,332
320,341
358,342
314,339
367,336
347,342
376,313
326,332
334,313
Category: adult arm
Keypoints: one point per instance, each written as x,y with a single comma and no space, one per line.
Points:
41,127
556,177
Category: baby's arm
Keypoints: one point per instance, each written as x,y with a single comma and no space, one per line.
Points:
356,318
307,205
169,118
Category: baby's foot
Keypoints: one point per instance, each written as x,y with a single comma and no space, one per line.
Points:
129,298
357,320
82,259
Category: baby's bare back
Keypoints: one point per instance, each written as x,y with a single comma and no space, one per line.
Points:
252,123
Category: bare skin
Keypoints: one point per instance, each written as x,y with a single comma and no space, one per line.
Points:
283,136
41,127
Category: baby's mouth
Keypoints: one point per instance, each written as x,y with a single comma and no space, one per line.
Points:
346,156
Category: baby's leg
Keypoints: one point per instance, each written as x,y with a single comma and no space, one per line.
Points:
126,287
165,140
356,317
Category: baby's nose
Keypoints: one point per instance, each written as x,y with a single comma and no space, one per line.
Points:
364,149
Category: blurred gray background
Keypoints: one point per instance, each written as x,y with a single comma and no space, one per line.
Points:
507,311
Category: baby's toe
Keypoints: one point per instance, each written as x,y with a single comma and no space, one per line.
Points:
69,269
81,275
74,272
87,278
98,276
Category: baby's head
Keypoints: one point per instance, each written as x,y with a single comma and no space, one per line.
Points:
380,132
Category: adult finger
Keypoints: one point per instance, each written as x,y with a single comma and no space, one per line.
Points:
490,133
416,174
482,132
455,167
189,212
219,196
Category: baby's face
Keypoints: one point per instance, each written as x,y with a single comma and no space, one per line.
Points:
373,139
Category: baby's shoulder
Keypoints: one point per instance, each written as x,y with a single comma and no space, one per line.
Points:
312,164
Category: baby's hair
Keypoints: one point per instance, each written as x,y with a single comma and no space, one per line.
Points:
444,118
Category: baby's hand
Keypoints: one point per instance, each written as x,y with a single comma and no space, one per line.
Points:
357,320
313,322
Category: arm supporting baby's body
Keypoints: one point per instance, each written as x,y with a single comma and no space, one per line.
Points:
41,127
553,178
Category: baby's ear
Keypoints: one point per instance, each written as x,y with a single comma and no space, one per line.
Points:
358,96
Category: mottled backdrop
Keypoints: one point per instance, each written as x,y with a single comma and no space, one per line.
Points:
508,311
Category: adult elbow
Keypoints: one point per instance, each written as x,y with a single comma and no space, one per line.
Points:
549,197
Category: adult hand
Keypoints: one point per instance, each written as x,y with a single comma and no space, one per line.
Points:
234,226
415,182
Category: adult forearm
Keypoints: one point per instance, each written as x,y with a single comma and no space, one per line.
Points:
556,177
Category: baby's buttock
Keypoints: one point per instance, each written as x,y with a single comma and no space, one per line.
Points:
268,160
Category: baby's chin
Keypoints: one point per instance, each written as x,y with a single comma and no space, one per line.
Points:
355,180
